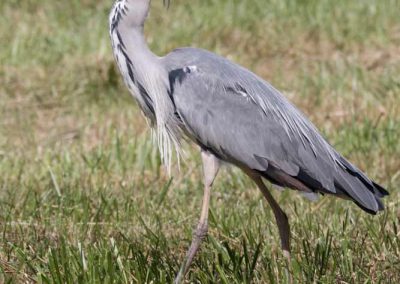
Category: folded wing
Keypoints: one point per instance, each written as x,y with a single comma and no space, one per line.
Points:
244,120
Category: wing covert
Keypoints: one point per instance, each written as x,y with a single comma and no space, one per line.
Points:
244,120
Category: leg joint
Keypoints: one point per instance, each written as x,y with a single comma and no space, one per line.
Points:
201,230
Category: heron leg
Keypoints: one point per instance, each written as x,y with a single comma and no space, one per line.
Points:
280,216
282,222
210,169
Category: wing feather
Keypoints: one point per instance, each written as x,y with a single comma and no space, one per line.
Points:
245,121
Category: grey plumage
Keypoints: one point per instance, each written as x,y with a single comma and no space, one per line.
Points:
234,116
244,120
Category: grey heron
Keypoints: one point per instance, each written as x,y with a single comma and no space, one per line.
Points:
234,116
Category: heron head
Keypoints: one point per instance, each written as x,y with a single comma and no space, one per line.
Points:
132,13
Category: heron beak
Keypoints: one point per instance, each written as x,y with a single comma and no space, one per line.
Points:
166,3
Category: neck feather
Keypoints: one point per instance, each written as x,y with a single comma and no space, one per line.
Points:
147,80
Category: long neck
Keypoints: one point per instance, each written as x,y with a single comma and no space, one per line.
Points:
127,20
147,80
140,68
134,42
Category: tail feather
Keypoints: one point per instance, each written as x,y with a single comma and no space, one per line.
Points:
380,191
356,190
364,192
348,182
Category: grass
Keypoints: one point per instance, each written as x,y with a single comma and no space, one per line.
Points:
84,198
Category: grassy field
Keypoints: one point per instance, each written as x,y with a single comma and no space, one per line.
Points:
83,197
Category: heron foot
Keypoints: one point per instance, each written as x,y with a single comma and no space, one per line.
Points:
198,236
288,269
